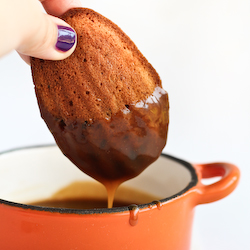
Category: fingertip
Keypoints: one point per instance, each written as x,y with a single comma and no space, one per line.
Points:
58,7
65,43
54,40
66,38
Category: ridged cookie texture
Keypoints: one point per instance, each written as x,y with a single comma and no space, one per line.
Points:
104,104
104,74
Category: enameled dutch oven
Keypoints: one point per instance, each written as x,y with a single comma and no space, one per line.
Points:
38,173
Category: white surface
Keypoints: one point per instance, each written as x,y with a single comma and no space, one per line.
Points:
201,49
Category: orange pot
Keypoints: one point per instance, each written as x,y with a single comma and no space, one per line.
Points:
37,173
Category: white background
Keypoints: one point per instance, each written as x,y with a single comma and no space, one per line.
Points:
201,50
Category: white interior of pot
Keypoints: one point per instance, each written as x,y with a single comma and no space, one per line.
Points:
34,174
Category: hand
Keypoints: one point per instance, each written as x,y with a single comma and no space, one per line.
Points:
25,27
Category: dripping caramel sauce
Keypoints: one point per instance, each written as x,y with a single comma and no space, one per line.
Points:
91,195
116,149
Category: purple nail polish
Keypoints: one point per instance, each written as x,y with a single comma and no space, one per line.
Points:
66,38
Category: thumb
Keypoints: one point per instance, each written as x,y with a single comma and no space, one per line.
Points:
51,38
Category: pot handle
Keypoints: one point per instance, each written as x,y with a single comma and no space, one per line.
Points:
230,176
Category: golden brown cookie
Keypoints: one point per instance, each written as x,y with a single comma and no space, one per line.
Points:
105,73
104,104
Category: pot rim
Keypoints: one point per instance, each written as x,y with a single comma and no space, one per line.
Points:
187,165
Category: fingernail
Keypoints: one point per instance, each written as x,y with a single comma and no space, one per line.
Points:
66,38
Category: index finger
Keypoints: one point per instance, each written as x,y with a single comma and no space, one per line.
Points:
58,7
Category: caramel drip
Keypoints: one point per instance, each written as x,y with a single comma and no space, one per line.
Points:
111,188
115,150
134,213
158,204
